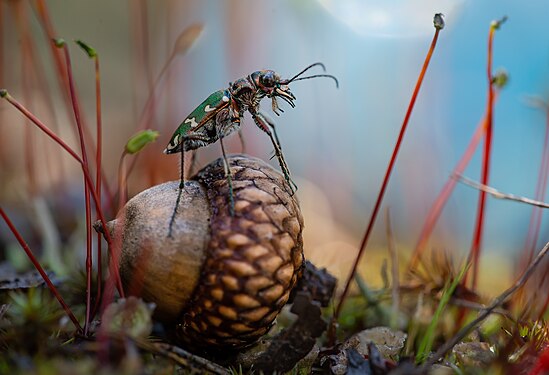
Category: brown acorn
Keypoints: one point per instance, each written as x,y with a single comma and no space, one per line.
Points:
220,279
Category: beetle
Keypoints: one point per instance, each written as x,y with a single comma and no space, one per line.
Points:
221,113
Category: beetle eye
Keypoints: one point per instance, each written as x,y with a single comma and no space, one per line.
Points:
267,79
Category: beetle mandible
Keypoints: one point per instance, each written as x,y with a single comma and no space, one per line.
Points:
220,114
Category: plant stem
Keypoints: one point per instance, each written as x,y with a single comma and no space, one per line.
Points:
98,157
474,254
499,195
114,256
85,165
498,301
386,178
535,219
62,79
122,181
446,191
39,268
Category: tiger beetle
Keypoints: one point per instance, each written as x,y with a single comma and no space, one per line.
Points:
220,114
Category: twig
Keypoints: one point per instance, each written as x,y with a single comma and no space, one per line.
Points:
498,301
499,195
480,307
181,357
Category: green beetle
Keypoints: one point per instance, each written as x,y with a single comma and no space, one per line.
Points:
220,115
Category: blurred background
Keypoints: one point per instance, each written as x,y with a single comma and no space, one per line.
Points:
337,142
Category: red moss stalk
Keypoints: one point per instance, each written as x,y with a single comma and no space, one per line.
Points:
447,189
98,180
543,174
439,25
114,256
45,20
85,165
535,219
39,268
476,245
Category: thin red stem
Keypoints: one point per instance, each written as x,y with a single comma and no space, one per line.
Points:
122,181
542,363
114,255
387,176
85,165
98,158
62,78
39,268
535,219
474,254
545,167
447,189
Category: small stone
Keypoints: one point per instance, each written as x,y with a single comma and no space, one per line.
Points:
388,342
474,354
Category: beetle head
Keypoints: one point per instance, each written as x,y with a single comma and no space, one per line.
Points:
270,84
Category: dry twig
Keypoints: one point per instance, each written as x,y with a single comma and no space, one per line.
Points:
499,195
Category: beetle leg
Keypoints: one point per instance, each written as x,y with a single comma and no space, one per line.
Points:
197,137
193,162
223,121
229,177
181,187
266,125
242,141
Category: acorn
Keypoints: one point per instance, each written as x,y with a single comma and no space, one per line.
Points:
219,279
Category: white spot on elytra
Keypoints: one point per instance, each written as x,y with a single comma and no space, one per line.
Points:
191,121
225,98
207,108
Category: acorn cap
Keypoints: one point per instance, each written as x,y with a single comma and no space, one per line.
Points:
254,257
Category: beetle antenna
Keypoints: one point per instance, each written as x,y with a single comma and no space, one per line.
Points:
304,70
318,75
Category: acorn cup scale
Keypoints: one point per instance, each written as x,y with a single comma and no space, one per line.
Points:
221,280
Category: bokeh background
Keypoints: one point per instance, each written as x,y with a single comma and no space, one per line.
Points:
337,142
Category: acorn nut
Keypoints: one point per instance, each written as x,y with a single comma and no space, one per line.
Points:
220,279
